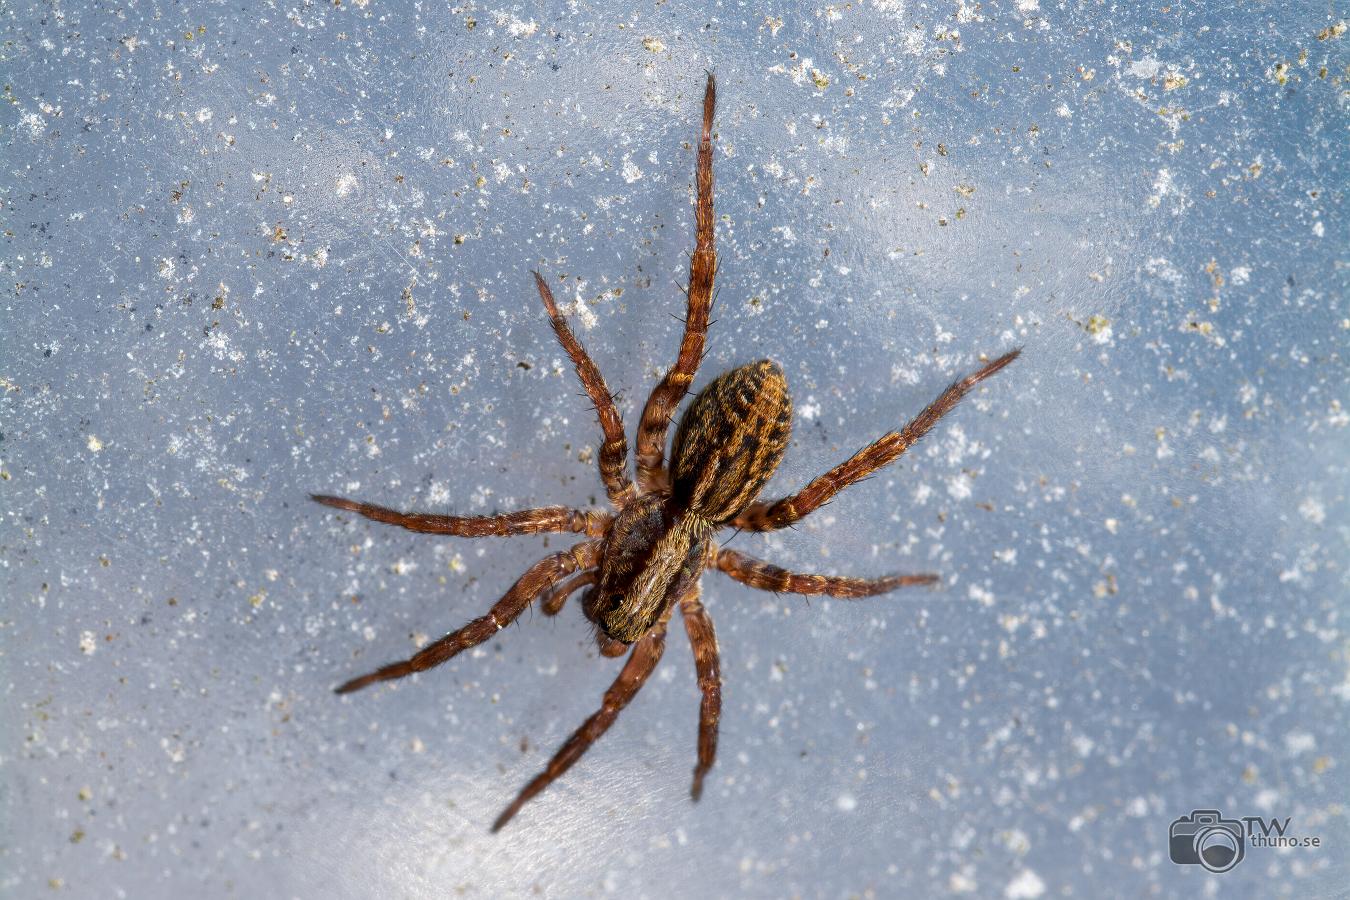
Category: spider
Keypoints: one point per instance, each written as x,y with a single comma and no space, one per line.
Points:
643,559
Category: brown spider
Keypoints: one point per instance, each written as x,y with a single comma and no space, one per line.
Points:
646,556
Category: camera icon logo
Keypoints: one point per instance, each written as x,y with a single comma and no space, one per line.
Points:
1206,838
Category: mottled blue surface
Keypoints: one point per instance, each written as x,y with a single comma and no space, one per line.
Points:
256,250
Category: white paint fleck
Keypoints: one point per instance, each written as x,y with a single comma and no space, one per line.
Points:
1148,67
1312,509
1296,742
88,644
630,170
1026,885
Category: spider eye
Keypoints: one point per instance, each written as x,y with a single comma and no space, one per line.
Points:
614,599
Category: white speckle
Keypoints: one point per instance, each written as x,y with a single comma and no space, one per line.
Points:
35,124
204,115
1162,186
1016,840
846,803
1028,6
1148,67
87,643
1083,745
655,45
959,486
1311,509
1240,274
94,444
809,410
1008,556
1137,808
1027,885
346,184
1319,229
515,27
166,268
980,595
630,171
582,313
961,883
1297,742
1063,111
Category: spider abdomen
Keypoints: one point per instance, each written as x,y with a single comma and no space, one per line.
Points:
730,441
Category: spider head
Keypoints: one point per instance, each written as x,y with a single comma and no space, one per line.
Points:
649,558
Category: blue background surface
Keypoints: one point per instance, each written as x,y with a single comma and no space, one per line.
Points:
256,250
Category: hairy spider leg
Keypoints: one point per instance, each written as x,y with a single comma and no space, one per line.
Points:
614,451
537,579
769,515
553,602
666,396
525,521
767,577
707,665
642,659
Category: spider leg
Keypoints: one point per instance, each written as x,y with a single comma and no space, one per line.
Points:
642,659
768,577
553,602
769,515
707,663
666,396
525,521
537,579
614,451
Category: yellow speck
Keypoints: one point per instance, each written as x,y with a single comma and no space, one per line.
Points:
94,444
820,79
1174,80
655,45
1332,31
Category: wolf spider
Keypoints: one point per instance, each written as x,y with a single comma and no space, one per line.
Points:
645,557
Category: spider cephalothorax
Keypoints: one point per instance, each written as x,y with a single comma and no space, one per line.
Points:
646,557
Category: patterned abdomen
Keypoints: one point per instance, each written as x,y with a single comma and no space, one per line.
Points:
730,441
